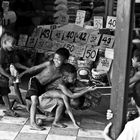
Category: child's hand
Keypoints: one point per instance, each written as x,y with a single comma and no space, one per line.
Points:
61,86
109,114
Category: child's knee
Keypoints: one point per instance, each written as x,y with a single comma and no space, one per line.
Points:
60,102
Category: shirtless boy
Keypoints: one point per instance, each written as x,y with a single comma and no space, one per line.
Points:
49,71
58,89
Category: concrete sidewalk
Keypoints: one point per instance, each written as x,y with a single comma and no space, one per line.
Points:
92,123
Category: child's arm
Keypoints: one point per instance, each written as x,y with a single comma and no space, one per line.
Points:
34,68
135,78
67,92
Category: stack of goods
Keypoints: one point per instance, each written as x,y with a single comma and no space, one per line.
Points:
73,6
61,9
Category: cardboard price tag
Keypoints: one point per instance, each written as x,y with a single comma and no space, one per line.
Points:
47,46
70,47
81,37
39,44
98,22
79,50
94,39
57,35
104,64
69,36
45,33
111,22
56,45
91,53
22,40
107,41
80,17
31,42
37,32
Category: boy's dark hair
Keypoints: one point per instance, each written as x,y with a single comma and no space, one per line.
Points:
136,93
69,68
63,52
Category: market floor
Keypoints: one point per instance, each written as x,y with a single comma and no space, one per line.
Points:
92,123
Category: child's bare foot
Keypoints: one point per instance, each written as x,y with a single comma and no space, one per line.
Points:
36,127
76,125
60,125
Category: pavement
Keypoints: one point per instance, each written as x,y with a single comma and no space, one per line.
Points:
92,123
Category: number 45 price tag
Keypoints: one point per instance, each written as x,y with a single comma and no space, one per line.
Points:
111,22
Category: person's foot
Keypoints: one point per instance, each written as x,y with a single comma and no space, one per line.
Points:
11,113
76,125
60,125
36,127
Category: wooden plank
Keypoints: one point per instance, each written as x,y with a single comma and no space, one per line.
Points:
121,63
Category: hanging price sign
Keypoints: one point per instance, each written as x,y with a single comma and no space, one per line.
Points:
91,52
47,46
79,50
31,42
45,33
98,22
107,41
80,17
94,39
39,44
81,37
22,40
70,47
111,22
104,64
37,32
57,35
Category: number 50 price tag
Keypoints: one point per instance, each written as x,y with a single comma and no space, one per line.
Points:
111,22
91,53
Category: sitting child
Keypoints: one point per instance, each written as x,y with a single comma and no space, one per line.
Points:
58,89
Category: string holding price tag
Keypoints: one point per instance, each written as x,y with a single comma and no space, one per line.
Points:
80,17
45,33
91,52
94,39
111,22
98,22
107,41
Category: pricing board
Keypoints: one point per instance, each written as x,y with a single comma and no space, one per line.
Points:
22,40
104,64
98,22
79,50
45,33
70,47
80,17
107,41
94,39
90,53
31,42
57,35
111,22
81,37
37,32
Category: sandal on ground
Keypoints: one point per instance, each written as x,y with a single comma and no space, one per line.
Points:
10,113
38,128
59,125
